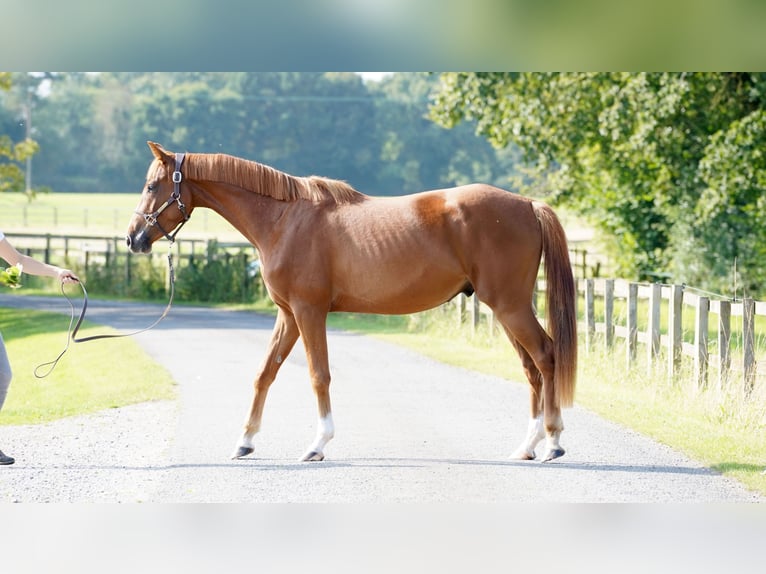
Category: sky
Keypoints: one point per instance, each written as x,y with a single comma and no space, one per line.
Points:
374,76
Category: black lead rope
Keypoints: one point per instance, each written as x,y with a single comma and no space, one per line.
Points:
72,332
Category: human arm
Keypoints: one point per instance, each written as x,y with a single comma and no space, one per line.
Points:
32,265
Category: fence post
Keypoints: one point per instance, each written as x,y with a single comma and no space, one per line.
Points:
748,342
700,340
491,321
461,307
653,346
590,315
609,313
632,340
675,328
724,341
475,313
128,273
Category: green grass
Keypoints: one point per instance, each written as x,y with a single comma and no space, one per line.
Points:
91,376
721,428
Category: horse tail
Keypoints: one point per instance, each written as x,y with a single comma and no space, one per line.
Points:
559,303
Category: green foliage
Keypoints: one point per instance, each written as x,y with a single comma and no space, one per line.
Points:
93,128
146,278
11,277
731,215
218,277
660,163
215,277
11,176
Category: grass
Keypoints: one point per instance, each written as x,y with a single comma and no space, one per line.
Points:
89,378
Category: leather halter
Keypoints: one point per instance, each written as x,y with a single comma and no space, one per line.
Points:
175,197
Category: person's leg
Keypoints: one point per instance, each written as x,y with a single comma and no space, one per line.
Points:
5,381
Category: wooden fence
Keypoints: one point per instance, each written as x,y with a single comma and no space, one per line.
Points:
646,305
84,253
87,249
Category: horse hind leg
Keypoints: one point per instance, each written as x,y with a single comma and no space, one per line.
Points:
535,348
535,431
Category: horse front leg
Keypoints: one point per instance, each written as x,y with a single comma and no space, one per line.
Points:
282,341
313,327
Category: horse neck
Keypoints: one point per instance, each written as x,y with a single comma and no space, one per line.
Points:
252,214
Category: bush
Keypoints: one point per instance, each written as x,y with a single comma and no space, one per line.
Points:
220,277
215,277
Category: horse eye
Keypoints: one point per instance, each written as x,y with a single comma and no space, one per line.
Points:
151,187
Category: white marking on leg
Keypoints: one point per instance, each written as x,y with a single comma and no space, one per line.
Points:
246,440
553,447
325,432
535,433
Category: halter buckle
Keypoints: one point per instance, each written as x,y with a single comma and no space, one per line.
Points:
177,177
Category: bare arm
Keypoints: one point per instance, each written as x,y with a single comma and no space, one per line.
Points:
33,266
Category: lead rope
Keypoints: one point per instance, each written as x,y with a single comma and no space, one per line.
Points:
72,332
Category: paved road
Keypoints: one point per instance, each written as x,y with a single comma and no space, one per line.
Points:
407,429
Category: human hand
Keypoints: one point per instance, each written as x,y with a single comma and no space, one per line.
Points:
66,276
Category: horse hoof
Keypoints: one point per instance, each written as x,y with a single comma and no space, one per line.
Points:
523,454
553,454
312,456
242,452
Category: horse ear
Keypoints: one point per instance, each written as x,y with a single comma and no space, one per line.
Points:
158,151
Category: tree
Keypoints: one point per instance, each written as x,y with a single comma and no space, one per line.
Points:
93,128
654,161
12,177
415,154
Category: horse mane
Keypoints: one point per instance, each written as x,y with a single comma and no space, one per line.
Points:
266,180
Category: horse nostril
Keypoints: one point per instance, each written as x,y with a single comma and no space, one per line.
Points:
128,240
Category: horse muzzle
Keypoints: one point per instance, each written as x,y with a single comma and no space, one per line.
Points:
139,242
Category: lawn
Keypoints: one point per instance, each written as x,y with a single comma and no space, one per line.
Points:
91,376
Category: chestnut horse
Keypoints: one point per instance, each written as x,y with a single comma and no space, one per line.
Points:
326,247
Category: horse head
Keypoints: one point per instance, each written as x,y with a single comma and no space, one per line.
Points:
153,219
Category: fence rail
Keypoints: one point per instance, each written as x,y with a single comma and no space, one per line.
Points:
55,247
646,305
93,252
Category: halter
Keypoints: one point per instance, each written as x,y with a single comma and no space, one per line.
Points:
175,197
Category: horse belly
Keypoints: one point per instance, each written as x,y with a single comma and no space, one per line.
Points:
390,291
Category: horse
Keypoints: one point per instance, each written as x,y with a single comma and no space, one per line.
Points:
326,247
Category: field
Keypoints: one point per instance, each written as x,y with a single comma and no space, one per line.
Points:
97,214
